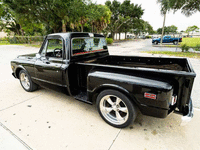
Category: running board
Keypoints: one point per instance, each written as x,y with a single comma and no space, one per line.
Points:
82,96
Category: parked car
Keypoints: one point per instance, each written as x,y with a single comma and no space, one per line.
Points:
130,36
142,37
80,64
167,39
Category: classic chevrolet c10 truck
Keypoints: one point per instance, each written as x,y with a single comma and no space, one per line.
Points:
80,65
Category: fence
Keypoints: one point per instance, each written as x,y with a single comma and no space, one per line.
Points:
23,39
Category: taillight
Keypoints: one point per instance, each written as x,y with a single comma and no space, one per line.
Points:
174,99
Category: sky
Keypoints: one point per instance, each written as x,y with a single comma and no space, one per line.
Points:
153,16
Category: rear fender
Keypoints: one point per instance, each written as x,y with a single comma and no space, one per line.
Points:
132,86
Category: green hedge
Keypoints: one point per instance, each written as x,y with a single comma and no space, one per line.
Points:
109,40
148,37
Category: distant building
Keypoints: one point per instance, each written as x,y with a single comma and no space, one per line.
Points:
3,34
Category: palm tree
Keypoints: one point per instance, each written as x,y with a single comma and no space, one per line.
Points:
165,7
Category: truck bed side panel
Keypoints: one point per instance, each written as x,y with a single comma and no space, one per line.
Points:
135,87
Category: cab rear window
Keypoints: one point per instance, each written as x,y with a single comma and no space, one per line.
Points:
87,45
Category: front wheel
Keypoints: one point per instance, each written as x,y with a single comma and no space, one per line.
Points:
115,108
26,81
156,43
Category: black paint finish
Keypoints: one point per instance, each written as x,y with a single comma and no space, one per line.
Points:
95,72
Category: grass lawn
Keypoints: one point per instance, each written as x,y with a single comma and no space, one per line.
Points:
177,54
7,43
191,42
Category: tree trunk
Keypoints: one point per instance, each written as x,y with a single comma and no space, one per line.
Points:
81,28
54,30
113,35
63,26
119,36
125,35
92,27
161,41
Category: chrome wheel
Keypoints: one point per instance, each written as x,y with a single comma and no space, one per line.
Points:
114,109
25,81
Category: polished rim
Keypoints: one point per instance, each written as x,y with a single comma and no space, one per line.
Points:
25,81
114,109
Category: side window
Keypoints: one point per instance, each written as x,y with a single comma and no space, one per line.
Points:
53,48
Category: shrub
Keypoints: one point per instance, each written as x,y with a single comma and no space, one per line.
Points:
148,37
184,48
109,40
3,39
197,47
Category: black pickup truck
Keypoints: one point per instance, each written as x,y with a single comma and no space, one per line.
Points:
80,64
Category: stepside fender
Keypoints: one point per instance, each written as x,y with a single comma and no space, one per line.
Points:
132,86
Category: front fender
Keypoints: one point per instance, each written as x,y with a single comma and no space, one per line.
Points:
17,70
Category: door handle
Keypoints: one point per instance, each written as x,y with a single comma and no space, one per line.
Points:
46,61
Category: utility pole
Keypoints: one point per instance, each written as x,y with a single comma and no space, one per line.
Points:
163,28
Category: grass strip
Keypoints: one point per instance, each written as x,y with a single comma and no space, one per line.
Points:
177,54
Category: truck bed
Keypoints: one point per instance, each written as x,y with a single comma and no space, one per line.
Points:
178,72
144,63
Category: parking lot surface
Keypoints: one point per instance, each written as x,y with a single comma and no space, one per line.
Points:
46,119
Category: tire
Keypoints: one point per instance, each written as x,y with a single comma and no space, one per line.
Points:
175,42
26,81
156,42
115,108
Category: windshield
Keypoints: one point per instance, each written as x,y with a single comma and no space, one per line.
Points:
88,45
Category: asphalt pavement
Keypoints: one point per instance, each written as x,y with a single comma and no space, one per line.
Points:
46,119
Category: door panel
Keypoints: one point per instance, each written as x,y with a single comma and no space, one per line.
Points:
49,70
48,66
166,40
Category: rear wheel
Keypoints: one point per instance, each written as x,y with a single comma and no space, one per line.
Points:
175,42
115,108
26,81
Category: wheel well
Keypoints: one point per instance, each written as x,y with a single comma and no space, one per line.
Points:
17,72
133,100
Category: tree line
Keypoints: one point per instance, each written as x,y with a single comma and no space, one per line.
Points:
40,17
187,7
